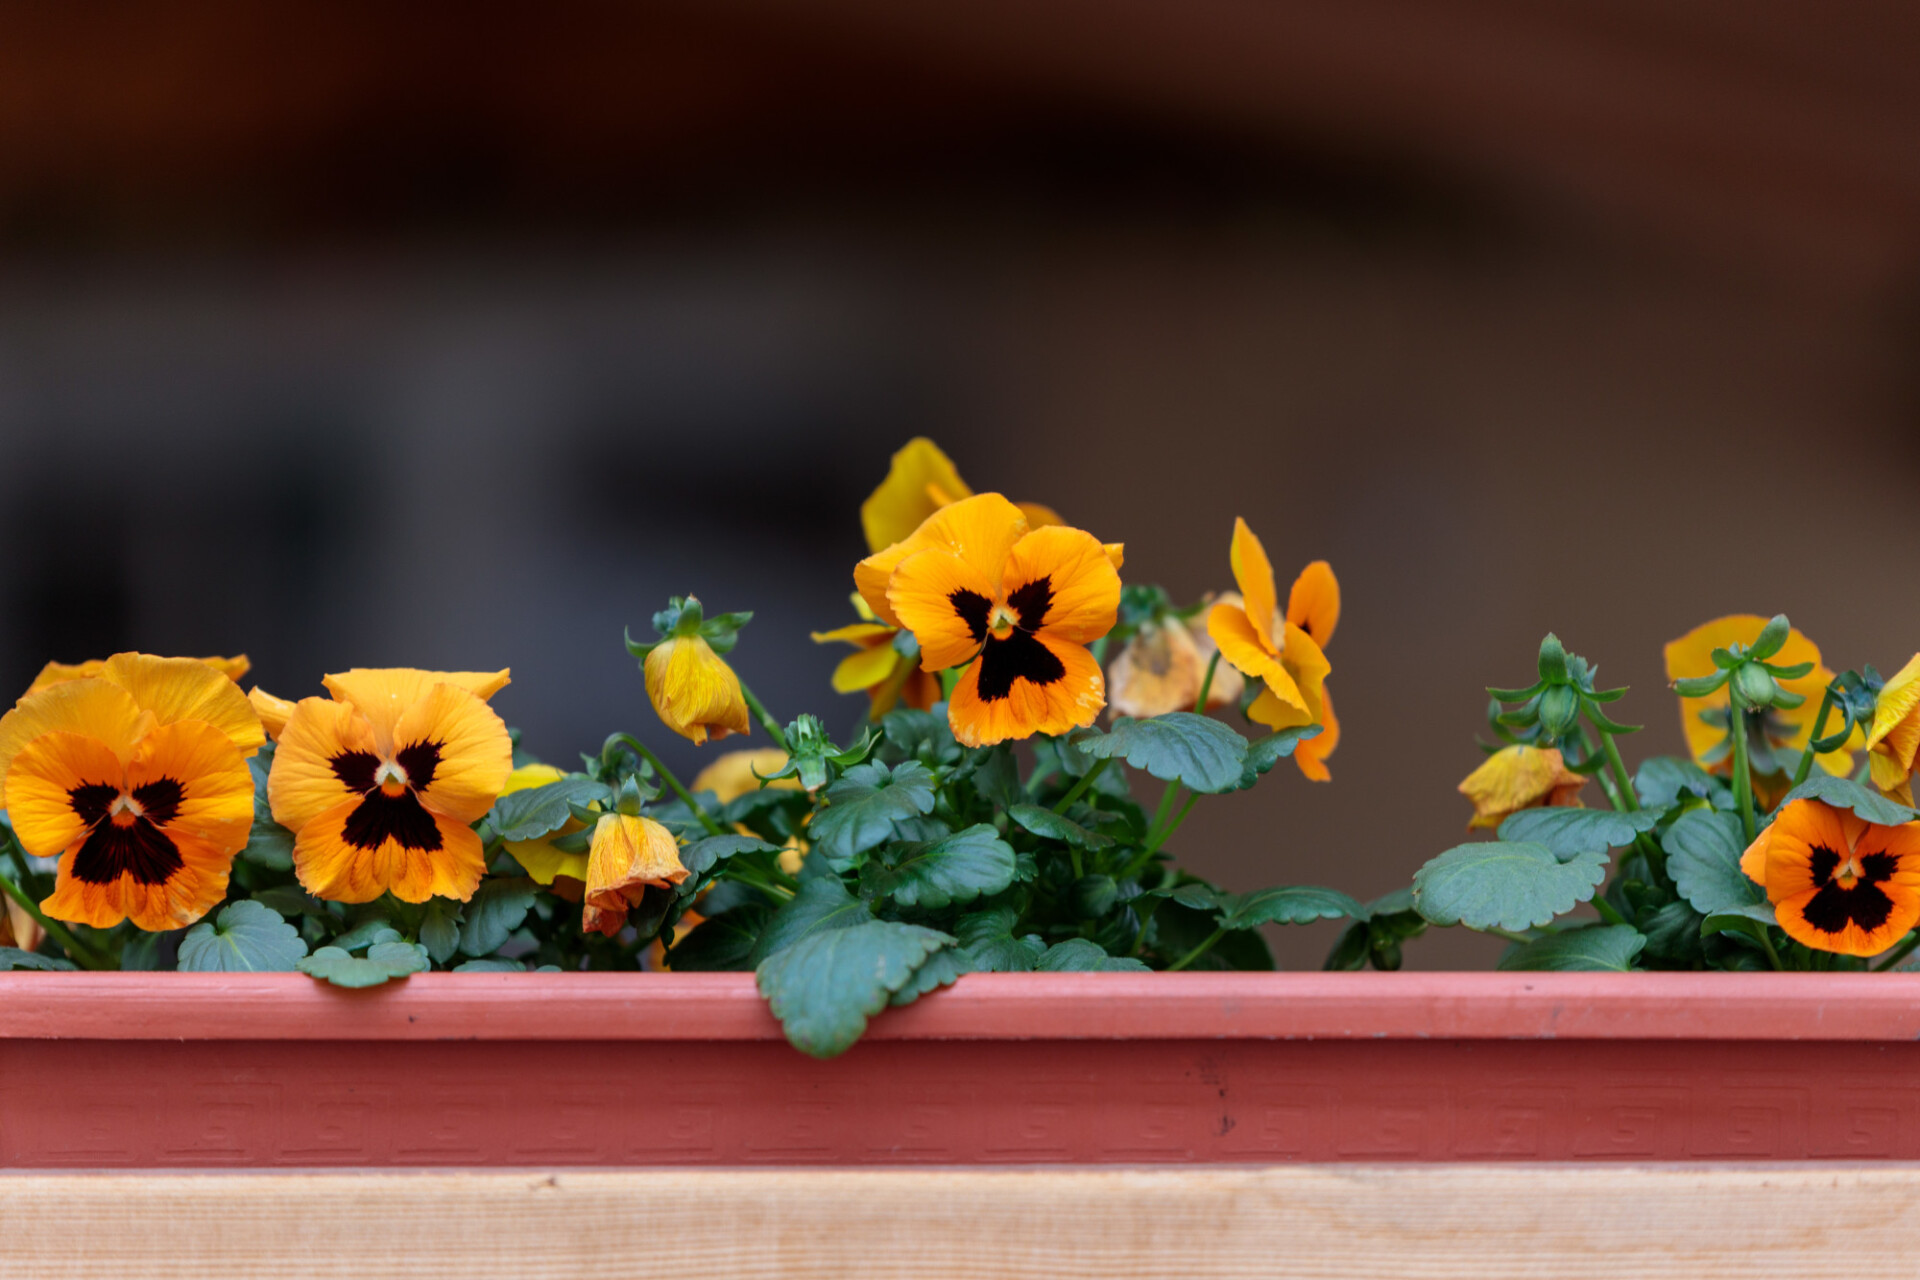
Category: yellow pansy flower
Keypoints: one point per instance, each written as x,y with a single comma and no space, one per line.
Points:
1520,777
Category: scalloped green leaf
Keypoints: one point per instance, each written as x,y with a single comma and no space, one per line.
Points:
1568,831
540,811
863,806
1662,780
1179,746
966,865
822,905
941,969
1591,949
825,986
722,943
246,937
490,964
440,929
383,962
497,908
1077,955
1264,753
1286,904
987,938
15,958
1845,793
1703,857
703,858
1049,825
1498,884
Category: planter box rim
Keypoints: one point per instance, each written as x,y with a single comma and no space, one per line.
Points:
1057,1006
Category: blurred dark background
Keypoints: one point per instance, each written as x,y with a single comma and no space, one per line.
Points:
460,335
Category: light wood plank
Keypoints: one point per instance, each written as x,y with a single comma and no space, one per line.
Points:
1431,1222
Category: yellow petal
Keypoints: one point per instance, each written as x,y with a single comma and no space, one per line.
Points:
1313,604
1117,553
175,689
1515,778
543,862
91,708
1254,572
304,783
1040,516
1071,701
529,776
1229,627
865,669
981,530
456,751
946,602
737,773
335,860
855,633
273,712
630,854
1067,570
1895,707
384,693
1311,753
59,672
902,502
693,691
43,782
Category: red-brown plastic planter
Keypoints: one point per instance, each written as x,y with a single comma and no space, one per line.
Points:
170,1070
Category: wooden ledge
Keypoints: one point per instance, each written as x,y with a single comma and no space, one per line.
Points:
1062,1006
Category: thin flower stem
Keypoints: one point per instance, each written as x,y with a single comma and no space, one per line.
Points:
1766,945
1146,918
780,886
1080,787
1165,833
1625,800
673,783
1608,912
1198,951
1509,935
1206,682
1742,776
1900,952
764,716
1819,727
1166,807
77,951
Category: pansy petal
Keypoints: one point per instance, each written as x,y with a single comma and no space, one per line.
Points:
946,602
273,712
1062,584
1039,515
629,854
980,530
737,773
529,776
854,633
1311,753
863,670
92,708
1254,572
1231,629
383,694
456,752
59,784
203,775
1797,832
197,886
175,689
903,500
1158,671
1313,604
544,863
321,738
1070,700
1862,922
693,691
437,857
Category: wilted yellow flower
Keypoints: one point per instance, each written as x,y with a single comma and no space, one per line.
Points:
693,690
1161,670
629,854
1520,777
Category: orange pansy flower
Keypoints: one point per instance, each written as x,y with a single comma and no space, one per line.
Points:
1838,882
137,780
380,786
1016,606
60,672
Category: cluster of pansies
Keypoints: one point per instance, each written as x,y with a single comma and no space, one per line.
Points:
160,817
1775,844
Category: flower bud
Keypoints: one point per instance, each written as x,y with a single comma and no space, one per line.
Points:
1753,686
1559,709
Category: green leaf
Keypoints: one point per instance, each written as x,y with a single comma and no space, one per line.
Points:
966,865
1663,779
490,964
1589,949
941,969
1700,686
722,943
1752,920
1264,753
384,961
1771,637
863,806
289,900
246,938
1051,826
1077,955
440,928
997,778
369,931
1202,753
824,986
1845,793
15,958
539,811
703,857
1286,904
1703,856
1673,935
1093,896
1497,884
987,939
822,905
1570,832
497,909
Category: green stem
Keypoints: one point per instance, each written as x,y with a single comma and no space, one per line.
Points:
1509,935
77,951
1819,728
764,716
673,783
1166,807
1742,775
780,886
1608,912
1158,838
1198,951
1900,952
1206,682
1146,918
1626,800
1080,787
1766,945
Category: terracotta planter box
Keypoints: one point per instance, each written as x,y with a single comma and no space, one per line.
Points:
180,1070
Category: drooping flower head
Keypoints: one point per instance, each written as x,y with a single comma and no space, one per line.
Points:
1707,722
885,664
1894,737
380,784
136,778
1281,651
1519,777
1838,882
1162,668
920,481
630,854
693,690
1015,606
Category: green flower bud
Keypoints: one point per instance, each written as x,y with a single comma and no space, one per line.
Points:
1559,708
1753,686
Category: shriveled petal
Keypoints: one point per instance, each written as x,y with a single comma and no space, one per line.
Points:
335,861
471,754
304,782
273,712
630,853
1071,701
175,689
980,530
1311,754
41,785
1514,778
91,708
1313,604
865,669
1068,571
383,694
904,499
1158,671
945,600
693,691
1254,572
738,773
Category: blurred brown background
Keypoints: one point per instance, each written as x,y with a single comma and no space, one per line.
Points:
462,334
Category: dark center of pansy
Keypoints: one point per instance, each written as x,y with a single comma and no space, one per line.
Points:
1009,649
390,807
1849,890
124,834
